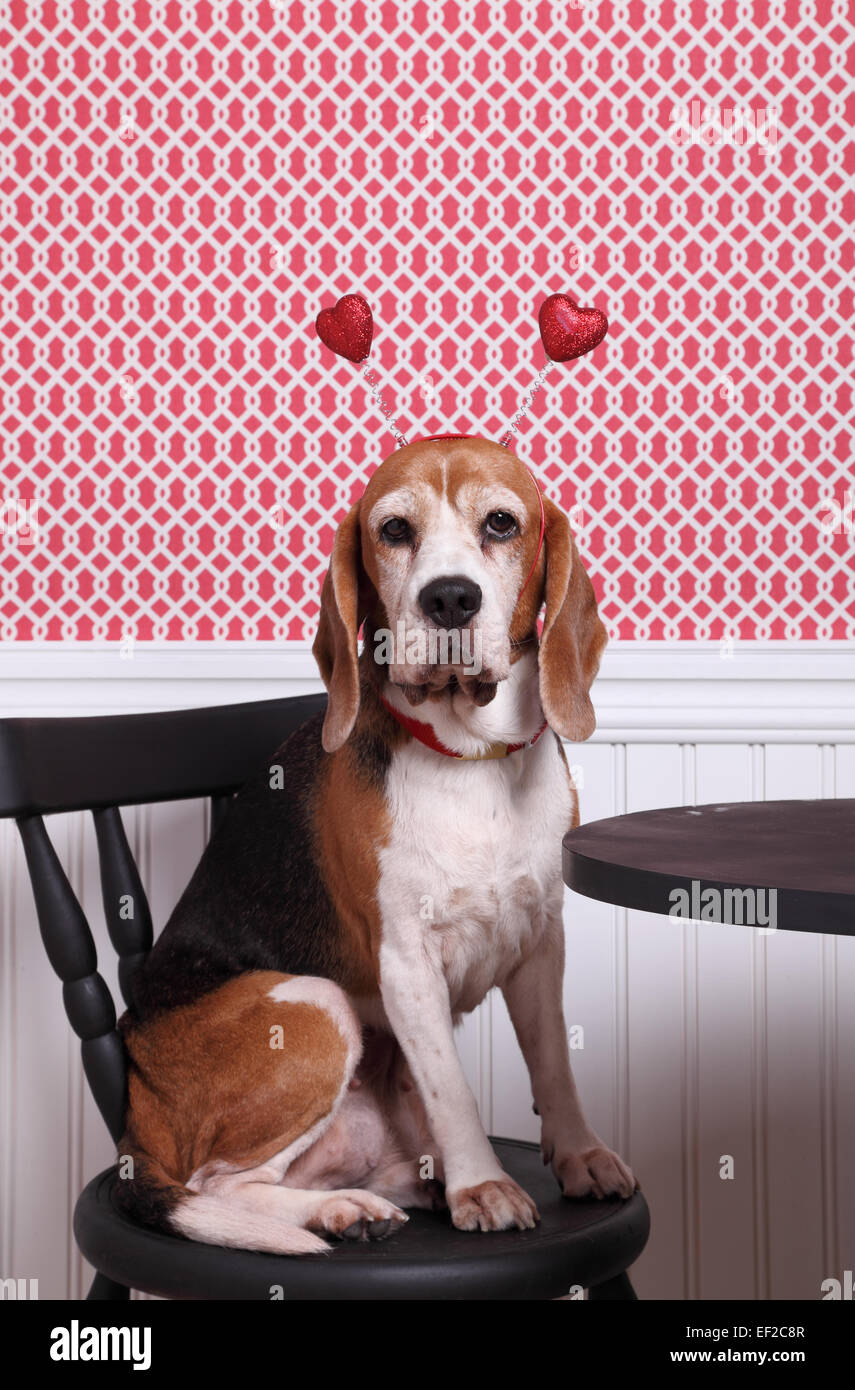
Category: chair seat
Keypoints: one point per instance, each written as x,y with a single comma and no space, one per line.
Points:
581,1243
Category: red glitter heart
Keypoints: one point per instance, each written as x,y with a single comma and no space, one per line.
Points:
348,328
568,331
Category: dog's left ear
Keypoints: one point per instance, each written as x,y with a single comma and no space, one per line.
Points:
343,608
573,637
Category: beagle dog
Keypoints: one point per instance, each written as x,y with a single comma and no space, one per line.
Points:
292,1064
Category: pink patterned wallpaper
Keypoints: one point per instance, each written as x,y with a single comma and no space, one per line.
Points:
185,185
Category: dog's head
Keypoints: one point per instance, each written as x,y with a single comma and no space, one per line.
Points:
434,558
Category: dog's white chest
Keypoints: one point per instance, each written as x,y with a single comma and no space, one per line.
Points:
473,868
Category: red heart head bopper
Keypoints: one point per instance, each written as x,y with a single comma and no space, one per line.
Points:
568,331
347,329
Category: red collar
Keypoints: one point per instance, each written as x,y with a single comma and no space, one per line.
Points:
425,734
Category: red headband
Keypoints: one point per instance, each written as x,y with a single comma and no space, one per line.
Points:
566,331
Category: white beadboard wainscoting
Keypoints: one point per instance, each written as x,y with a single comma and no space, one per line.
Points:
700,1041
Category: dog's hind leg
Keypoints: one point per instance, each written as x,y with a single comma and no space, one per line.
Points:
285,1219
224,1095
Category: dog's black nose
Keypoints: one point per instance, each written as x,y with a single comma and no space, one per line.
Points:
450,602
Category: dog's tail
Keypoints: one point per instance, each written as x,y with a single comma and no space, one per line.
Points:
150,1196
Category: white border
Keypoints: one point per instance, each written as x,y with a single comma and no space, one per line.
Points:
646,692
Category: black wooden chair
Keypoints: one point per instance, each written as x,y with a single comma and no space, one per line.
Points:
98,764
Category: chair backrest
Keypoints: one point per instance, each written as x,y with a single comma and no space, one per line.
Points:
99,764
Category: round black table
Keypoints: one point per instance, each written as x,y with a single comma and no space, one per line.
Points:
784,864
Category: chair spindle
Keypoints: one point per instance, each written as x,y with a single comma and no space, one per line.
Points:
125,904
219,808
71,952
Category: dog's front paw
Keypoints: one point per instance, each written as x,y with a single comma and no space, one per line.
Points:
499,1205
593,1172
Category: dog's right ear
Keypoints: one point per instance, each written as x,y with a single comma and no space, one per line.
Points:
342,612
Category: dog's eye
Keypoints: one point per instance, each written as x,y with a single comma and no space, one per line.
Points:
395,530
501,525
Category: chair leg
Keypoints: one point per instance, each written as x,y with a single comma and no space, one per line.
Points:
615,1290
104,1289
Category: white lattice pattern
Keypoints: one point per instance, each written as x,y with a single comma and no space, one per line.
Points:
184,185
